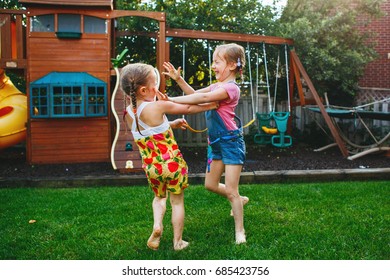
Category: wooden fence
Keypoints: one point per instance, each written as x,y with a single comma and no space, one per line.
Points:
300,119
244,111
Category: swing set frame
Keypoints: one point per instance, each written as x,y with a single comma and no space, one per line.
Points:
296,70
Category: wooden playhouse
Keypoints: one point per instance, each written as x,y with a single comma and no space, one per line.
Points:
68,80
69,77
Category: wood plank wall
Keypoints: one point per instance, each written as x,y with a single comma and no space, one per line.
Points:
69,140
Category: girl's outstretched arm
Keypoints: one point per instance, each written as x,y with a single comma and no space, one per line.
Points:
167,107
174,74
217,95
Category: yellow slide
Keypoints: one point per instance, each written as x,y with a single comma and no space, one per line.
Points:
13,113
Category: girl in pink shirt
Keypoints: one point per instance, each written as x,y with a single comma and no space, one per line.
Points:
225,135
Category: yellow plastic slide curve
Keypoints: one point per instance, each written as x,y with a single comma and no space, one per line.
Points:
13,113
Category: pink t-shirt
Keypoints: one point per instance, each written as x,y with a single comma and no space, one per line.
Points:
226,107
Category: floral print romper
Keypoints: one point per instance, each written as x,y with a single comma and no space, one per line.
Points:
162,161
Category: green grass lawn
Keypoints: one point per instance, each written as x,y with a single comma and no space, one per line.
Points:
320,221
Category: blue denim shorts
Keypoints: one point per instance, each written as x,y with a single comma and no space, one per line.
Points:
231,151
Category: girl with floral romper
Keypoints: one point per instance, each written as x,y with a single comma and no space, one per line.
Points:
164,166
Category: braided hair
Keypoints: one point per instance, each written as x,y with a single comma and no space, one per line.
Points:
134,76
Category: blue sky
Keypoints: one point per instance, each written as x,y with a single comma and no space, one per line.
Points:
279,3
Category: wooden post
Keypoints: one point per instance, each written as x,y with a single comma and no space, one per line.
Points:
317,99
291,91
299,83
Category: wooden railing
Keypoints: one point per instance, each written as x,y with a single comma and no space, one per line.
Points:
12,39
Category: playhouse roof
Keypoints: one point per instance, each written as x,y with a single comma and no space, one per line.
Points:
67,78
89,3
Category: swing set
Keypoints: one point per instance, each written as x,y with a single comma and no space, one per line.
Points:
267,134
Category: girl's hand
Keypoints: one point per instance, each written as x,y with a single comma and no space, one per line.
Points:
171,71
179,124
162,96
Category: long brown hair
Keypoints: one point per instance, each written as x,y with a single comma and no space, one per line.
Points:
134,76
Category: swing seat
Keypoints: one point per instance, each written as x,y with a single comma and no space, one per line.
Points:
269,130
281,119
263,138
281,140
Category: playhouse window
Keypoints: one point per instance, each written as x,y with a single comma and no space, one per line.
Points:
96,100
95,25
67,101
67,95
43,23
39,101
69,23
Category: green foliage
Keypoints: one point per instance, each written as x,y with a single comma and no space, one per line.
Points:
328,41
9,4
17,78
301,221
140,34
248,16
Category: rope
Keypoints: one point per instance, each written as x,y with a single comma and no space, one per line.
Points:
257,83
195,130
249,123
184,65
287,78
209,55
276,80
266,77
251,88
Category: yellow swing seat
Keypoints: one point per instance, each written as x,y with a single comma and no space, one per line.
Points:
269,130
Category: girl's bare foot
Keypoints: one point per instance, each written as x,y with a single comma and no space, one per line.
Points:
154,239
180,245
240,237
244,200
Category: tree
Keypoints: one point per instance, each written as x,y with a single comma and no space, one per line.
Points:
237,16
9,4
333,50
